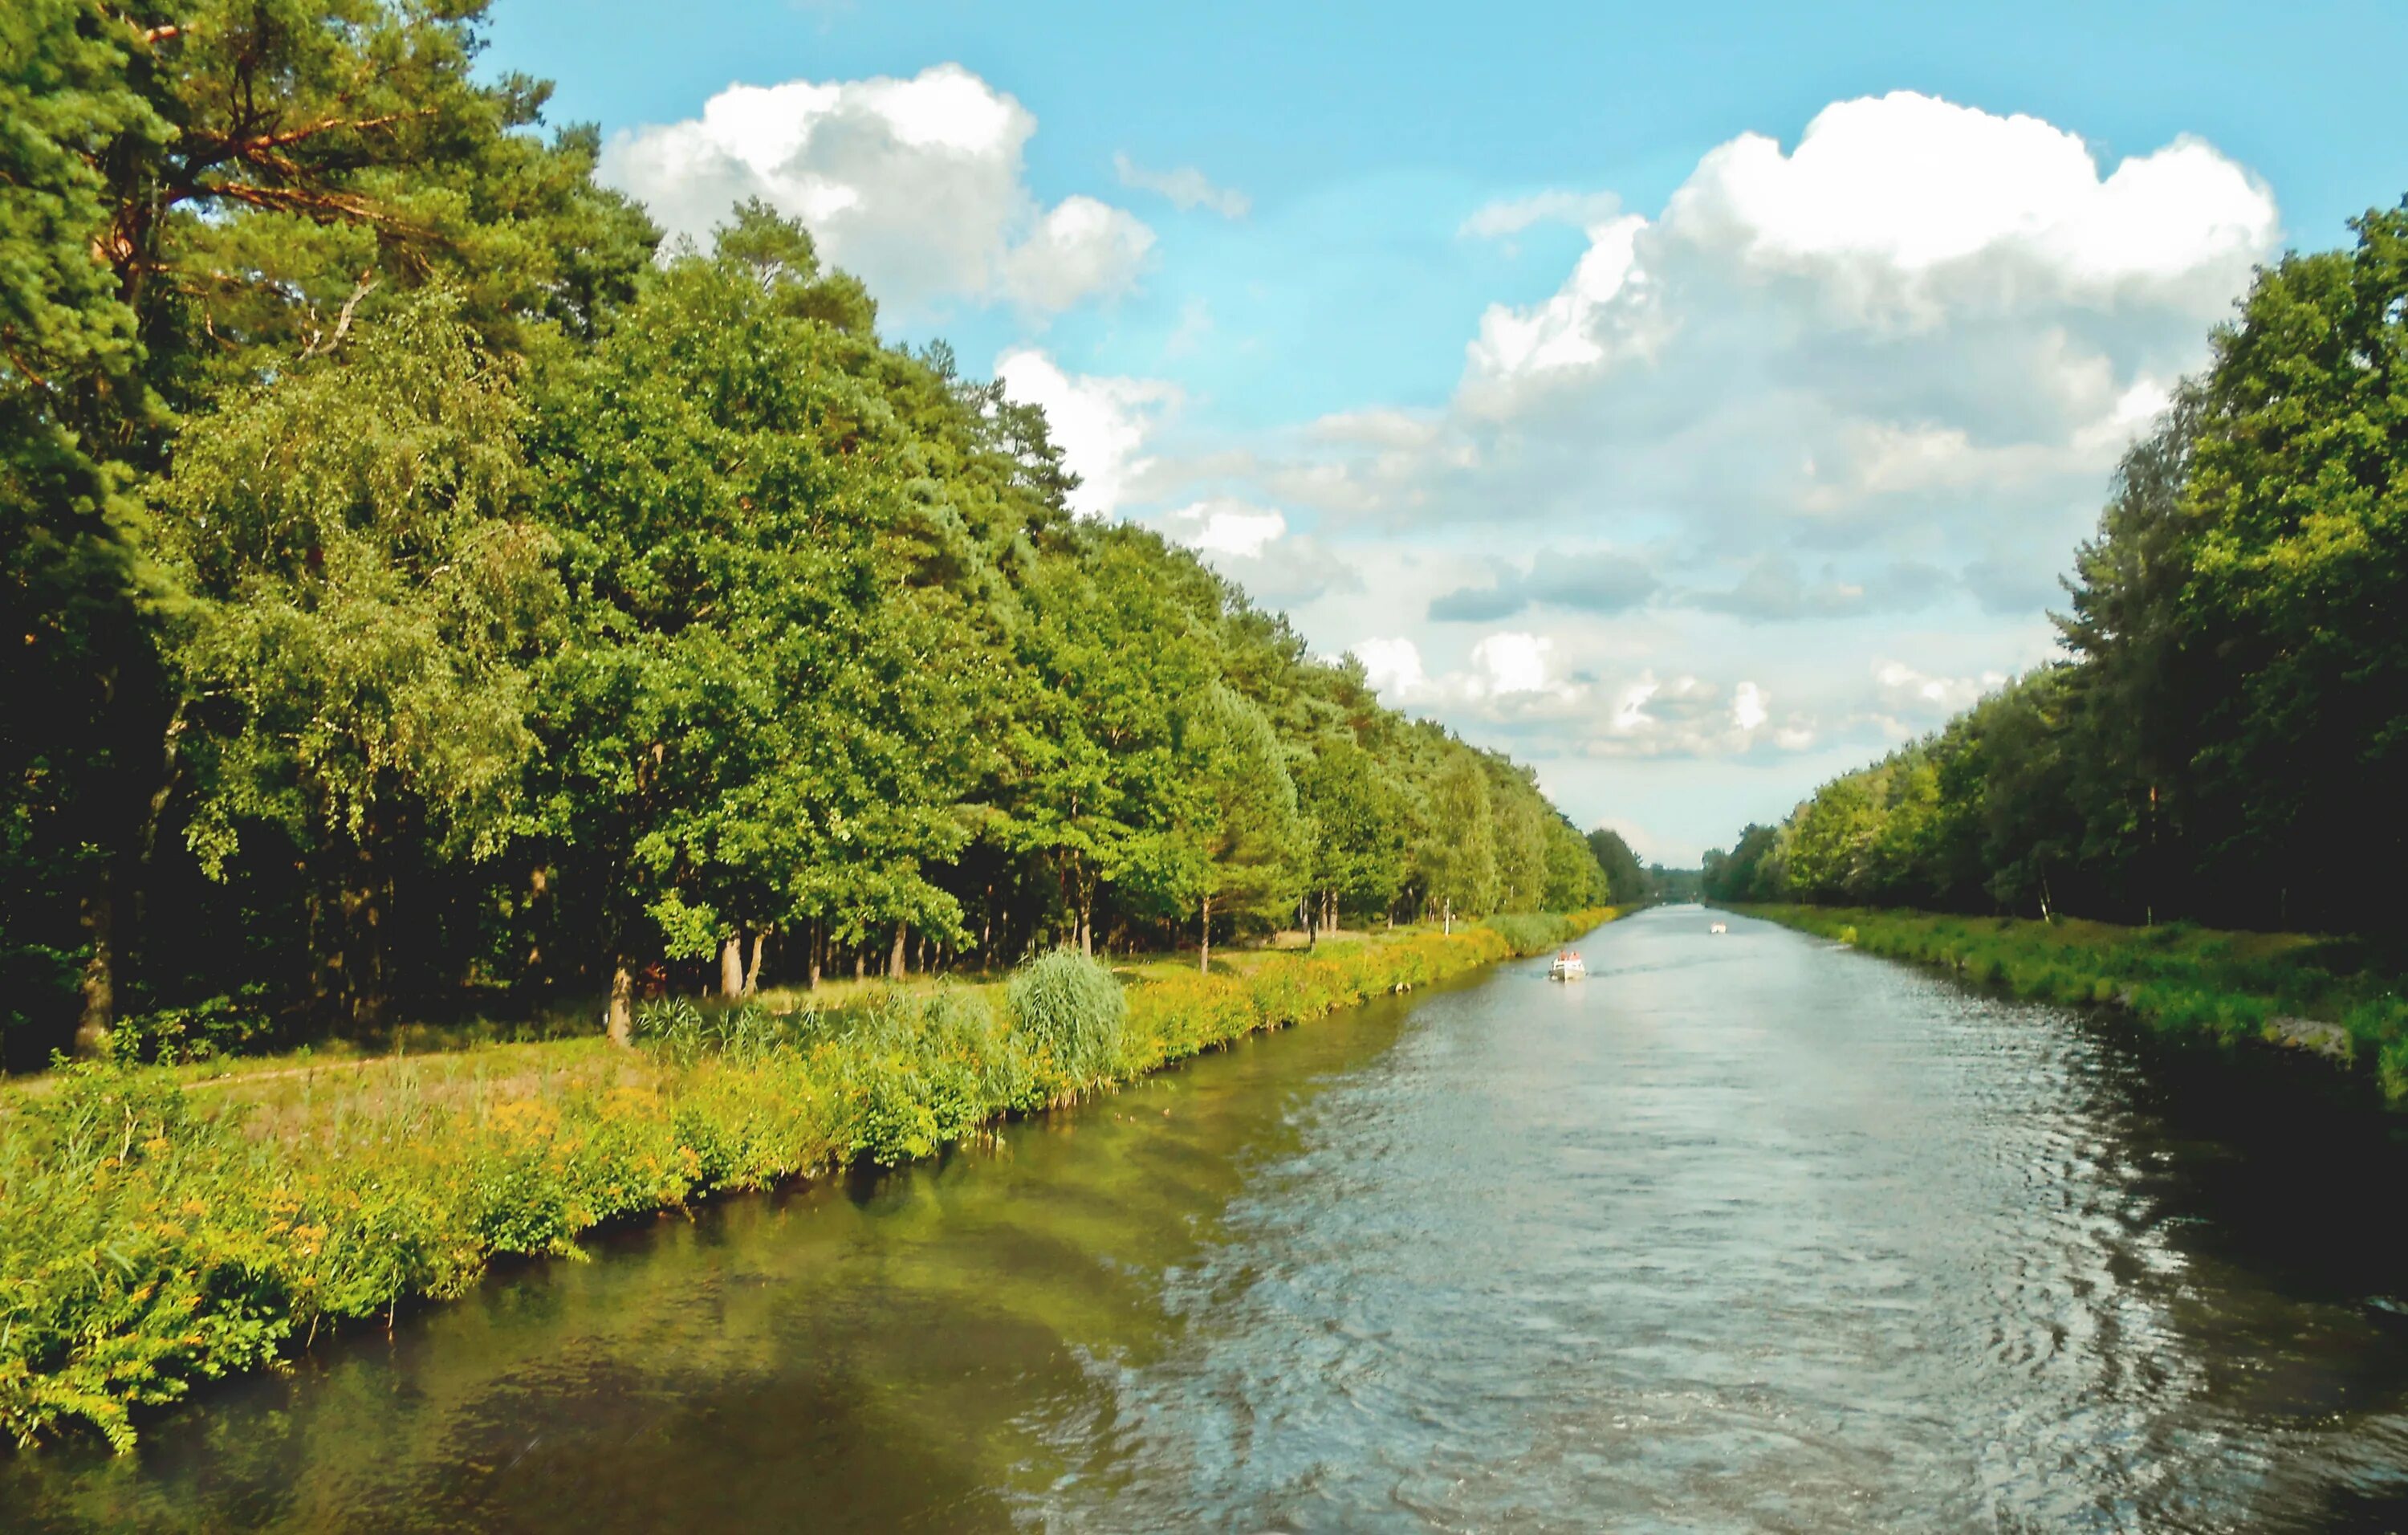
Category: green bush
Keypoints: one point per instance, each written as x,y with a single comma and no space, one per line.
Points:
221,1025
1068,1013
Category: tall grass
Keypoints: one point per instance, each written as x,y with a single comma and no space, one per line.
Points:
1068,1012
147,1242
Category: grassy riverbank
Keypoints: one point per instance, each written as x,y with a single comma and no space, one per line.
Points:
2341,997
157,1231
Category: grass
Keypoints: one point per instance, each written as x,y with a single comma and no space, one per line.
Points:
161,1227
2340,996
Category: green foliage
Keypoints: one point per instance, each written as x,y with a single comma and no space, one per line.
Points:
1458,862
1625,879
208,1029
1069,1012
432,601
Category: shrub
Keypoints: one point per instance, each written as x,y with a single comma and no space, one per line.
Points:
221,1025
1068,1013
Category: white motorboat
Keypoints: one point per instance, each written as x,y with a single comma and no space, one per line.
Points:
1719,927
1568,966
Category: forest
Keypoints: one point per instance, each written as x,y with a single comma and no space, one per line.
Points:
2225,740
429,594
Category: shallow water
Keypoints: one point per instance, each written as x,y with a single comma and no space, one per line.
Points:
1747,1232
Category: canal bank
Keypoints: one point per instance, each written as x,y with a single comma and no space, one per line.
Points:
151,1240
2338,998
1748,1232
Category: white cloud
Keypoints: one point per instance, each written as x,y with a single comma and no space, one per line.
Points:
1228,527
1510,663
1186,187
1513,215
1392,667
1910,185
1580,326
1886,369
1750,708
1100,423
1081,248
916,185
1903,691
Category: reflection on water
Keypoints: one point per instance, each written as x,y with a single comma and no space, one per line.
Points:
1745,1232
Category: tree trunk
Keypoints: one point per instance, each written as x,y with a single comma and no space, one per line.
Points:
819,953
1205,964
861,963
622,1016
895,969
99,973
753,970
731,967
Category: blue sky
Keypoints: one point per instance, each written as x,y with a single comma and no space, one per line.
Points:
1691,466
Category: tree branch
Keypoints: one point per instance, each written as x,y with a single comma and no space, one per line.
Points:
319,342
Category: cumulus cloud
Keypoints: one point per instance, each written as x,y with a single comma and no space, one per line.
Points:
1255,546
1228,527
1904,693
1690,716
917,185
1883,369
1100,423
1393,666
1186,187
1080,248
1922,325
1508,663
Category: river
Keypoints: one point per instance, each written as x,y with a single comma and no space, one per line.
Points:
1746,1232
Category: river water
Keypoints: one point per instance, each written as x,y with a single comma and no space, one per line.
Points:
1747,1232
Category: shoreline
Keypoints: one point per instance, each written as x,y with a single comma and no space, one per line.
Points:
155,1242
2329,998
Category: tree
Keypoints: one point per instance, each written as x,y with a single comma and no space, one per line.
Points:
194,198
761,723
1358,830
78,593
1457,855
1243,840
1624,876
366,596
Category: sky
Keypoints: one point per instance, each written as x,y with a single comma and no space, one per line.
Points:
1696,401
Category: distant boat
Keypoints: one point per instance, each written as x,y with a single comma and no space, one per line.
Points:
1568,966
1719,927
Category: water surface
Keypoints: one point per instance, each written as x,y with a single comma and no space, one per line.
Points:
1747,1232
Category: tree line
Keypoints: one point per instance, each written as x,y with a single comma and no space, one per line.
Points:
422,588
2227,737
